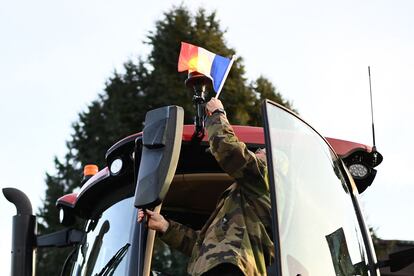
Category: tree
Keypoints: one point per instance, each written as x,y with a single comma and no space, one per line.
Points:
147,83
264,89
50,260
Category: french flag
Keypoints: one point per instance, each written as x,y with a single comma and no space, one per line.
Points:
215,67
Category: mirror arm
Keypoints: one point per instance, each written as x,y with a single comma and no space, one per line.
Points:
62,238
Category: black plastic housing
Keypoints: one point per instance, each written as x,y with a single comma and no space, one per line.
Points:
161,143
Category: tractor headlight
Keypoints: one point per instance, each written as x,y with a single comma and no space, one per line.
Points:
116,166
358,171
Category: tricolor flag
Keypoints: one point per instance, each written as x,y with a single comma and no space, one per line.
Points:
194,58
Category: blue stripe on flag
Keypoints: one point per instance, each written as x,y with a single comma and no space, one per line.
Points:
218,69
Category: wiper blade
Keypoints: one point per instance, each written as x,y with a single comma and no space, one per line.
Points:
114,261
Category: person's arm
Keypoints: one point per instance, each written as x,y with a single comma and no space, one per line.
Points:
173,233
180,237
233,155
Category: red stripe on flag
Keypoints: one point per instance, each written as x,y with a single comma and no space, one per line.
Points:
187,52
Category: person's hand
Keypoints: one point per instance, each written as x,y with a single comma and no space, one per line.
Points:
212,105
155,221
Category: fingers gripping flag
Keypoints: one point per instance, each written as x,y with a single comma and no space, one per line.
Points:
215,67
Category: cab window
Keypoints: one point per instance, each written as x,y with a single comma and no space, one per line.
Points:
168,261
317,227
190,201
108,242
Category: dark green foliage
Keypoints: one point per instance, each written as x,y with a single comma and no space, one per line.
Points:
145,84
264,89
50,260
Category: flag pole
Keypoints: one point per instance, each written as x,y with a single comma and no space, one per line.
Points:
225,76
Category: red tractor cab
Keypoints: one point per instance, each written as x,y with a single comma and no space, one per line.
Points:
317,224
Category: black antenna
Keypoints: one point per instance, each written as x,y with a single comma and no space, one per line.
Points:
375,159
374,149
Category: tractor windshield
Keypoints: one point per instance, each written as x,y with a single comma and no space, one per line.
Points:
107,249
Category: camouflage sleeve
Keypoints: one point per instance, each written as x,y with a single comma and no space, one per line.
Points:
180,237
234,157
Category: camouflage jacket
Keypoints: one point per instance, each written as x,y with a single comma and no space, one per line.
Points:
238,231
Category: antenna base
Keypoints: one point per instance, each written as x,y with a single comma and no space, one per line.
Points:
198,83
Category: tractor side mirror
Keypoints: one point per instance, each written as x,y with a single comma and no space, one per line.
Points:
161,144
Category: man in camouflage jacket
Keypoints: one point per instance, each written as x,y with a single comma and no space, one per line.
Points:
237,234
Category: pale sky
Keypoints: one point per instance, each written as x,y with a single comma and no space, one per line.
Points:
55,57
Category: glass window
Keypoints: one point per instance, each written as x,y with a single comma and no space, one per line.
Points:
318,229
108,242
168,261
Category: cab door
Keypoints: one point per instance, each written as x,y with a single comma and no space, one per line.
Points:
318,227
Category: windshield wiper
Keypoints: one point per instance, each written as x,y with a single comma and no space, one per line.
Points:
114,261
